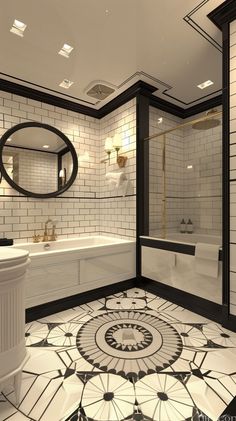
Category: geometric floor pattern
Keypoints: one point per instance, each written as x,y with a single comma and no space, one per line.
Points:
129,356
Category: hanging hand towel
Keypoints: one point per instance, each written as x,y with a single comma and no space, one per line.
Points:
207,259
116,178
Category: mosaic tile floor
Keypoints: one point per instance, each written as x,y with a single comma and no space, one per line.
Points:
131,356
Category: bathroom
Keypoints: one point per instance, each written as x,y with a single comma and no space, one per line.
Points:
117,292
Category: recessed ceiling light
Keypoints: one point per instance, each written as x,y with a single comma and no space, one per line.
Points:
18,28
205,84
66,50
189,167
66,83
46,146
160,120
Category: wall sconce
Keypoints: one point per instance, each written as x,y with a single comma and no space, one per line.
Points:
62,176
115,144
108,147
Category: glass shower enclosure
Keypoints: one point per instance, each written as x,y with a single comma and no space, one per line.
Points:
185,172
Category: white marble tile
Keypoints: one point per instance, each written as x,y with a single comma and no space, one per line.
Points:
129,353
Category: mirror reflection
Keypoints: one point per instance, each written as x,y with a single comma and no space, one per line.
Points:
37,160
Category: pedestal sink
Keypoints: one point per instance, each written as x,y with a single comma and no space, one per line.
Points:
13,354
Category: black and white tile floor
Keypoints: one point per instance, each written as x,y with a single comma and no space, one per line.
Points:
130,356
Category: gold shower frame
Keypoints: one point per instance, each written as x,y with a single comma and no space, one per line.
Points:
189,123
164,133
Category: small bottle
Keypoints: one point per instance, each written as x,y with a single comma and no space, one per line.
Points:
189,227
182,226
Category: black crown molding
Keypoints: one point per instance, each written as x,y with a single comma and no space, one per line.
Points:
224,13
25,91
138,88
203,106
166,106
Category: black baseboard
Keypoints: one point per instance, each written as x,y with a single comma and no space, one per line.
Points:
191,302
230,323
56,306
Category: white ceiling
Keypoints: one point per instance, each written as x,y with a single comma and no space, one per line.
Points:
36,138
135,39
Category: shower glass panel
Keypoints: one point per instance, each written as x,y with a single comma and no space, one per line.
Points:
185,173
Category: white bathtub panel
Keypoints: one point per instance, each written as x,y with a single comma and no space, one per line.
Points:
55,274
155,266
116,266
41,280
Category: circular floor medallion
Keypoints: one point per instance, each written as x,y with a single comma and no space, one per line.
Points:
129,343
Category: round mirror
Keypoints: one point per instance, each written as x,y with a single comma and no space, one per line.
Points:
37,160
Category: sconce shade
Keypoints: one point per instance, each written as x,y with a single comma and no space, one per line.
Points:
117,141
108,144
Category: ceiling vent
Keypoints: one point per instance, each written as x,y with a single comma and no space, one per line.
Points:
100,91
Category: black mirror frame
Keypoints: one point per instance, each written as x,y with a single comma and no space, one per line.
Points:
71,148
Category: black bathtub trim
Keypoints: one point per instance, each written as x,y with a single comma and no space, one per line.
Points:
171,246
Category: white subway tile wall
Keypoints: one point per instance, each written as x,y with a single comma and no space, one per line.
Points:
118,216
41,166
193,175
86,208
232,92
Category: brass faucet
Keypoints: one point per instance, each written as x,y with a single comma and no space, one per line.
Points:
46,235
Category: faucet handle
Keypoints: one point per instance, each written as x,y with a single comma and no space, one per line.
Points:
54,235
36,238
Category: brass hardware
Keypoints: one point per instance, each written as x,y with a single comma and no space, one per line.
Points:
54,235
189,123
46,236
163,205
36,238
121,161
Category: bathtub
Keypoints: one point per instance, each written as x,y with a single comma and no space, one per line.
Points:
68,267
171,261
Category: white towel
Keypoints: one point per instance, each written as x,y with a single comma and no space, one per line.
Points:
116,178
207,259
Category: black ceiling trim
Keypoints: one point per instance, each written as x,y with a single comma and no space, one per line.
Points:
224,13
25,91
166,106
203,106
29,149
219,91
139,87
188,19
168,88
48,89
141,73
